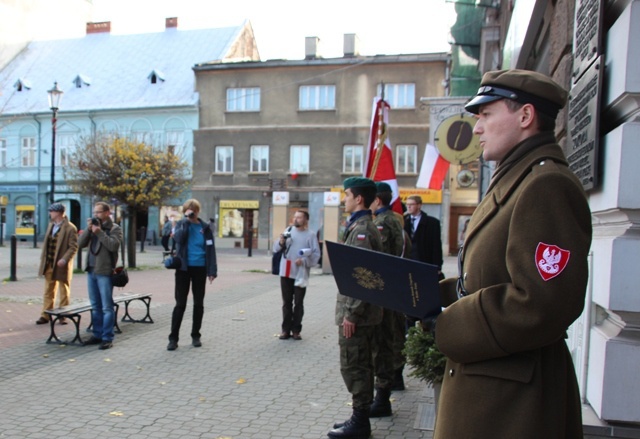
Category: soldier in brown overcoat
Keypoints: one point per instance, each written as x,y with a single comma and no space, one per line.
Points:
522,279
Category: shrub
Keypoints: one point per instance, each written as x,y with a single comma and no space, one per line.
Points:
423,356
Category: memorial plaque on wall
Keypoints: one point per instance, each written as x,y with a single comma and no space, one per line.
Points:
583,125
587,35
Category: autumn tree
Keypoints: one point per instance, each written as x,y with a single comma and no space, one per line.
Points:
131,173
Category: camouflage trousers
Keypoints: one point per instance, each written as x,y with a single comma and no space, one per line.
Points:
383,354
356,365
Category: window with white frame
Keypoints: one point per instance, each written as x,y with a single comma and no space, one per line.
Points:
243,99
406,159
259,158
352,159
299,159
317,97
28,152
399,95
3,153
65,146
224,159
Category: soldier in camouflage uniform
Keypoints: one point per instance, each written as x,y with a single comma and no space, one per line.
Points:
356,319
391,230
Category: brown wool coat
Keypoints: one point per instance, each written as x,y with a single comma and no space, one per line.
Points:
66,248
509,373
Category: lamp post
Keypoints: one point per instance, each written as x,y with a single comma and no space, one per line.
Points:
55,94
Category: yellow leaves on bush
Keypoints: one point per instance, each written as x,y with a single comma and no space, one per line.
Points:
130,171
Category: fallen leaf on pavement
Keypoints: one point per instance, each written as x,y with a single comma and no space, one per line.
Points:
116,413
241,381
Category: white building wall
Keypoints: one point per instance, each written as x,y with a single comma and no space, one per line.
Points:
613,388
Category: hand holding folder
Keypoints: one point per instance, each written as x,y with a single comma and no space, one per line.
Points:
403,285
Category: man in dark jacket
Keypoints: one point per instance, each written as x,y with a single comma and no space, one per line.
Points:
103,237
523,275
424,230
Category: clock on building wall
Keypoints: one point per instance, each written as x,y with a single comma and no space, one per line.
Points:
455,140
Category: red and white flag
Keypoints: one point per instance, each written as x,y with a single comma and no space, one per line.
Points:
433,170
378,165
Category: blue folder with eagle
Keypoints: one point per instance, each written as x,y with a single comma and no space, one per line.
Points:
403,285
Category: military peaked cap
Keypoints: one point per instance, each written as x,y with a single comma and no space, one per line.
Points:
523,86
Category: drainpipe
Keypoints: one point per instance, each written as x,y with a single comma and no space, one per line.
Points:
37,212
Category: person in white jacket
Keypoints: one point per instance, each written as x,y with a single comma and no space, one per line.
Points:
300,252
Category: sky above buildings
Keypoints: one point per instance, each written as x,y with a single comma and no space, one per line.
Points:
280,26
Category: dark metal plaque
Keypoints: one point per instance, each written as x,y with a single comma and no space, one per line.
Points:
583,125
587,35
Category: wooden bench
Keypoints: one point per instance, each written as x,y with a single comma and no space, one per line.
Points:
73,313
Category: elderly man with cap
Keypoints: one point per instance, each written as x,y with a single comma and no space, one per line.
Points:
56,261
356,319
523,276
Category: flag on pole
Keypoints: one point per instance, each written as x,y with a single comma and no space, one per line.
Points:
378,165
433,170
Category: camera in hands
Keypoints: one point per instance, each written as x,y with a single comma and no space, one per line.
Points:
189,215
95,221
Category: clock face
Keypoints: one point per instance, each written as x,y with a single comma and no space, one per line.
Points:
455,140
465,178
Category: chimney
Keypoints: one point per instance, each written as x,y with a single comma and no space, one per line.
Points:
171,23
99,28
351,45
311,49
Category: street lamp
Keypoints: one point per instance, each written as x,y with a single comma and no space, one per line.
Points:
55,94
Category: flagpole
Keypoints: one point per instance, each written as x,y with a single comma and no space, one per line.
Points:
380,130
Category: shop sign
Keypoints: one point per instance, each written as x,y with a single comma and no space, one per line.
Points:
239,204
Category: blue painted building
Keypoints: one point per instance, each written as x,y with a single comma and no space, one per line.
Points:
138,86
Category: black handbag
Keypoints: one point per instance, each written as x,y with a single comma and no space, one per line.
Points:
119,277
173,262
275,262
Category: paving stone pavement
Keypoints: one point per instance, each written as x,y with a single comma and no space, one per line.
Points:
243,383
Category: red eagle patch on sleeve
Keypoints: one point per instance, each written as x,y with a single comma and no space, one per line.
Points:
551,260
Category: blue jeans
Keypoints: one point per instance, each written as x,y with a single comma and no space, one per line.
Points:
101,298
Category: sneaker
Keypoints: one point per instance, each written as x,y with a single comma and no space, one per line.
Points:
196,343
42,321
106,345
172,346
